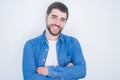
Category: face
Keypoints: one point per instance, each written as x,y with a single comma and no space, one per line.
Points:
55,21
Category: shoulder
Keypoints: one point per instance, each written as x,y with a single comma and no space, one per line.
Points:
35,40
69,38
70,41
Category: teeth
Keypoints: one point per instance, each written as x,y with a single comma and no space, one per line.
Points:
55,27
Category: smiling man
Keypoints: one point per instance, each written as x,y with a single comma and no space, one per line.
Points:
53,55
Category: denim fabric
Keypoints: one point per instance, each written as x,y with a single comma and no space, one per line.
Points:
68,50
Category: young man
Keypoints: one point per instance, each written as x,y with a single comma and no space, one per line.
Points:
53,55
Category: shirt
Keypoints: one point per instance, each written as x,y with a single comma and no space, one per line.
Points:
68,50
52,55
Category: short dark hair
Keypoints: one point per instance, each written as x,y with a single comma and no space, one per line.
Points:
58,5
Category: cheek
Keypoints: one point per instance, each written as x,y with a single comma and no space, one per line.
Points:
50,22
62,26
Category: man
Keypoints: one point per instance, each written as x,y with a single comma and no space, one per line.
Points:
53,55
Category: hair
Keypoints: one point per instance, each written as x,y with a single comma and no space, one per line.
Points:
58,5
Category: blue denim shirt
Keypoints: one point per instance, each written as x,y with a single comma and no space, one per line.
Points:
68,50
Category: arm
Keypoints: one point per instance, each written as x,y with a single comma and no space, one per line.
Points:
77,71
29,66
44,70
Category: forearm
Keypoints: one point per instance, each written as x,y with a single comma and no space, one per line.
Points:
44,70
31,74
28,65
70,71
76,71
36,77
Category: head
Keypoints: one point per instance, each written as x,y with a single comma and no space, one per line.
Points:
56,17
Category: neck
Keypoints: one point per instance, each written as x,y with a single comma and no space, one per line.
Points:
50,37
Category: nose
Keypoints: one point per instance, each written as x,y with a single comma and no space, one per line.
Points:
57,22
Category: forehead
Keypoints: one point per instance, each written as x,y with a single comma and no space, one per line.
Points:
58,13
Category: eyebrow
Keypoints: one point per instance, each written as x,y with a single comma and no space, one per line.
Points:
54,15
57,16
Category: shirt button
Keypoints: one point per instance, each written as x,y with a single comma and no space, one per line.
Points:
46,49
47,42
43,59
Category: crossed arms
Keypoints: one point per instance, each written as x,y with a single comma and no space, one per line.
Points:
44,70
74,71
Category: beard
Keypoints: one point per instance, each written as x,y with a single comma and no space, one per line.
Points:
49,27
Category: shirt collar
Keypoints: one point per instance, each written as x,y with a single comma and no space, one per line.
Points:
44,39
61,37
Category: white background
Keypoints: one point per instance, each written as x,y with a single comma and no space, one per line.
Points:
95,23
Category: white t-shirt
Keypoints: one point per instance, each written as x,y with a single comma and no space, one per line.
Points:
52,54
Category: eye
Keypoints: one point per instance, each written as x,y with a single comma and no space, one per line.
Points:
53,17
63,20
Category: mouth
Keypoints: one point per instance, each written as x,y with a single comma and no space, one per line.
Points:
55,27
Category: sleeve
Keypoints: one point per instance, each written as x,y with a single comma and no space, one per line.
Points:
29,66
77,71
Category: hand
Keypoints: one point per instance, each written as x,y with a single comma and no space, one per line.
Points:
42,70
70,64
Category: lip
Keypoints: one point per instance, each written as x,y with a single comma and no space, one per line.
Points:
54,27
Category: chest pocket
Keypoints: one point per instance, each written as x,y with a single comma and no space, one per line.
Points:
64,59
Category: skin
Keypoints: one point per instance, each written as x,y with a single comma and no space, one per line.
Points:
55,23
